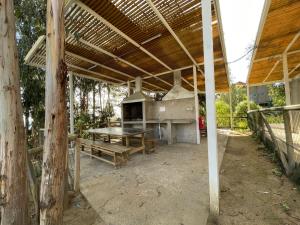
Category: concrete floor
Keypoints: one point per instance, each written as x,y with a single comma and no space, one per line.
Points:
169,187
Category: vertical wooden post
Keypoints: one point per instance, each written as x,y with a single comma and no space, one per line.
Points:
261,126
230,105
71,87
94,102
13,156
210,108
289,139
196,104
248,97
128,88
55,146
77,166
286,79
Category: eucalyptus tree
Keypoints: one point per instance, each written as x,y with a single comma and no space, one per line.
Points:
55,146
13,179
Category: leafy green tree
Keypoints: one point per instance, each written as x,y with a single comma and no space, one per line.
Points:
242,108
238,93
223,113
241,111
277,94
30,24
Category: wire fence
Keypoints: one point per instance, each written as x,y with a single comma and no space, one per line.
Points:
278,128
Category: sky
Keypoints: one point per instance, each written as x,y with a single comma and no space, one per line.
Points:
240,24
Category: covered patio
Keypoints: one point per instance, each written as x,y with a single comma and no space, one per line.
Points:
149,47
169,186
276,59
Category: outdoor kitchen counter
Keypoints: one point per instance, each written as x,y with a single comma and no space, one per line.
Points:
171,125
177,121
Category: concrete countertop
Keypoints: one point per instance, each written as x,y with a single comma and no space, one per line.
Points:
178,121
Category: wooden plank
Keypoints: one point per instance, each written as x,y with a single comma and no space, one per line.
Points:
289,139
100,158
77,166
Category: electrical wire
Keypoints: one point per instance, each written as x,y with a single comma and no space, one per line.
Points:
243,56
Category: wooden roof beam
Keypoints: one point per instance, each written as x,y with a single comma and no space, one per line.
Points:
68,4
85,76
34,48
115,29
182,68
109,68
118,58
111,26
294,69
292,42
87,70
276,56
273,68
284,53
165,23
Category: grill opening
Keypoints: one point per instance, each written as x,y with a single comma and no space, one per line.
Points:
133,111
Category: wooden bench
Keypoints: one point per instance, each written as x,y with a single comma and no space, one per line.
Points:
149,144
118,154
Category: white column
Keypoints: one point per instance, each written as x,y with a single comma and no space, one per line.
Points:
230,105
128,87
286,80
196,104
71,87
210,107
248,96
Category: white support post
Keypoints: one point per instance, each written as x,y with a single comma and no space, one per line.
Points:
196,105
214,189
128,87
248,96
230,105
286,80
71,87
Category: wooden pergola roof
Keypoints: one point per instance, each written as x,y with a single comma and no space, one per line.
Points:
118,40
278,34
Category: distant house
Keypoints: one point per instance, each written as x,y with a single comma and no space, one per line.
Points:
259,95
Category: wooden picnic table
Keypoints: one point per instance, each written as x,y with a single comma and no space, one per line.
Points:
126,133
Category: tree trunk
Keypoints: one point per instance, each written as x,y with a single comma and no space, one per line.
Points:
13,179
55,146
87,102
94,105
100,97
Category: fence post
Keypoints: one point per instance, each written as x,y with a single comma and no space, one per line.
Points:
281,154
289,139
255,118
77,166
261,127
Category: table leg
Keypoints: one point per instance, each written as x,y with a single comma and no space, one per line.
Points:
143,143
127,141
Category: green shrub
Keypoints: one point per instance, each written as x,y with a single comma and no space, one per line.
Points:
223,114
242,108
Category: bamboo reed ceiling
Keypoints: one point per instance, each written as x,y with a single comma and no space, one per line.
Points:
118,40
281,27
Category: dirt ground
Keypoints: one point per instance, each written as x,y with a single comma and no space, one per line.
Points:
168,187
81,213
253,191
252,188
